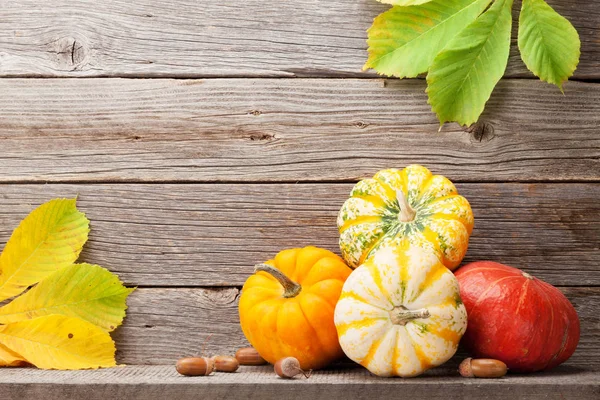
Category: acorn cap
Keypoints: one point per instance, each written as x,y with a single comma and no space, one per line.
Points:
465,368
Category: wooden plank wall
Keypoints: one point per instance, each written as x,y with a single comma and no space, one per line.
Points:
248,138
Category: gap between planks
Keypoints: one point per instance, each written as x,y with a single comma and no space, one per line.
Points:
283,182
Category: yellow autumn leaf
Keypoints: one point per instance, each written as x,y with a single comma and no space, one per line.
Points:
86,291
48,239
60,342
9,358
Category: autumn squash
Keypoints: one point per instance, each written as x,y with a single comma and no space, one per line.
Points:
516,318
286,307
410,203
400,312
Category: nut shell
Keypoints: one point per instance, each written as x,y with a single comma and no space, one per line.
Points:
482,368
465,368
287,367
226,363
488,368
249,356
195,366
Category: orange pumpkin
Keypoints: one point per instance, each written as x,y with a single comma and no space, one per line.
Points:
286,307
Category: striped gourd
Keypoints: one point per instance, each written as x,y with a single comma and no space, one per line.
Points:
412,203
400,313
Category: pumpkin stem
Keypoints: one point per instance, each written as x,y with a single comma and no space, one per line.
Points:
401,316
407,213
291,288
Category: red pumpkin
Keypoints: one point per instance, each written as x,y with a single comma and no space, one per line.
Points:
516,318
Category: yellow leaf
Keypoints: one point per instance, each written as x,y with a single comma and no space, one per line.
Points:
85,291
60,342
9,358
49,238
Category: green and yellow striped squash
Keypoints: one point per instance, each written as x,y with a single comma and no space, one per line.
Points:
412,204
400,312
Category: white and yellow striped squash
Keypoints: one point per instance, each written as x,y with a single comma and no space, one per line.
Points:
400,313
410,203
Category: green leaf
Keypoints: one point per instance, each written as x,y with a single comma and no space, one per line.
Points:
59,342
465,73
404,2
85,291
403,41
549,44
48,239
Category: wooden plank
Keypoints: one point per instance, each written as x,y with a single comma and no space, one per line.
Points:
162,382
287,130
213,234
166,324
212,38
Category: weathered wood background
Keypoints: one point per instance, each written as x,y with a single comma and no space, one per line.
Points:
248,138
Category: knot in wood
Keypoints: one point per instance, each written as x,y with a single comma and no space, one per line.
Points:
69,53
481,131
261,137
360,124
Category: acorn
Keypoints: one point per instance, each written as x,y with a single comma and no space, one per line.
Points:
482,368
195,366
289,367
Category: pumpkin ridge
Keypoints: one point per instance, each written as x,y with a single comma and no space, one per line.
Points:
372,351
375,243
563,343
426,363
434,275
361,219
261,301
308,290
353,295
327,272
423,189
389,190
320,346
359,324
447,334
523,294
549,335
378,280
402,259
447,217
442,198
263,326
377,202
275,345
489,288
395,352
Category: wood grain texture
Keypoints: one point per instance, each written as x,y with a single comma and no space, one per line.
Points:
213,38
213,234
166,324
162,382
287,130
